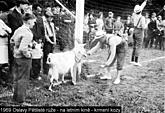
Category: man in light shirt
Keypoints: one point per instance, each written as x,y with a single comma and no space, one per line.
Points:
139,25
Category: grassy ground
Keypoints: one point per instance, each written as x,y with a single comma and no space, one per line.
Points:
140,91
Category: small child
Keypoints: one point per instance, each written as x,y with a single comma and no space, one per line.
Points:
36,60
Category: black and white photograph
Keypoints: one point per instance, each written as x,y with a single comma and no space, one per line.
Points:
82,56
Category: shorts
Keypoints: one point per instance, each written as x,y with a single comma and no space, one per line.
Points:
120,56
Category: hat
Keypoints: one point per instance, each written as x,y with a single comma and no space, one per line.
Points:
23,2
137,9
99,34
48,14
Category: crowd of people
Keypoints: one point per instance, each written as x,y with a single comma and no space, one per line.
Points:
153,34
28,33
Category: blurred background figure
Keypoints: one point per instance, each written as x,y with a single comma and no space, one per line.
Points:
50,39
152,31
92,27
118,26
100,22
38,40
5,32
128,29
109,22
159,34
147,21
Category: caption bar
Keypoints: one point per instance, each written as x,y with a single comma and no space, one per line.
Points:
60,109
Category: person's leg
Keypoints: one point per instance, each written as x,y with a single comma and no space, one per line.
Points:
134,49
148,38
160,42
36,67
145,36
163,43
46,50
11,62
22,77
121,53
156,41
139,39
107,74
152,40
38,72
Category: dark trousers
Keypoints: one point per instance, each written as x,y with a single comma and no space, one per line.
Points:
145,37
150,39
4,71
22,72
36,68
48,48
163,43
137,41
11,63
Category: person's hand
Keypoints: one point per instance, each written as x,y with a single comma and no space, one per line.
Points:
3,33
53,43
102,66
88,53
57,28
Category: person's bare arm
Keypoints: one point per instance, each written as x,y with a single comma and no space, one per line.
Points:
94,49
144,4
112,56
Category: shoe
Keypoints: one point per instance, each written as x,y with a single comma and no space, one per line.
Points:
137,64
132,62
106,77
117,81
26,104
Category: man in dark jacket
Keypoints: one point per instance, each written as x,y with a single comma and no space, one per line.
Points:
152,30
15,16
